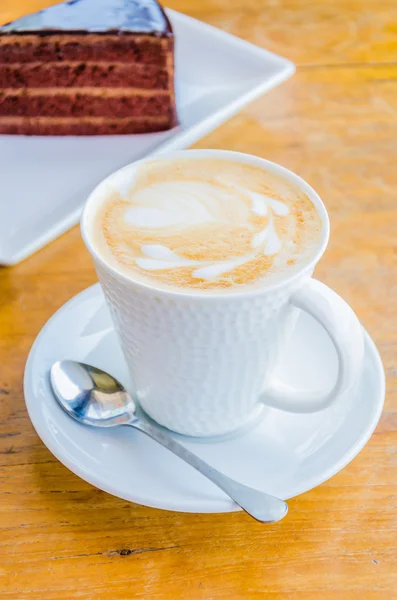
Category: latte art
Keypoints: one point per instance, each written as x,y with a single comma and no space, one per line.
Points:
206,224
183,205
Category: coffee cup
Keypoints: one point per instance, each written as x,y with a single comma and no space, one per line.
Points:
202,338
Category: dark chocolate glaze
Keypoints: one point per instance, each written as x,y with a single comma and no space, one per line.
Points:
94,16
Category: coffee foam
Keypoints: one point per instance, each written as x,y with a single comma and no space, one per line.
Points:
206,224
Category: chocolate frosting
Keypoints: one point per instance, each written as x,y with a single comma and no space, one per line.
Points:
97,16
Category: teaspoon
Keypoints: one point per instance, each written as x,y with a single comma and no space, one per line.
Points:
95,398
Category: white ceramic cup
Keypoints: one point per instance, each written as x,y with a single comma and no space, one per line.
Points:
203,364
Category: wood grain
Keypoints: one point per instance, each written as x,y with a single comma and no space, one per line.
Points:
335,124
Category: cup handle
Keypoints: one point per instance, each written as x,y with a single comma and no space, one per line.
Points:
345,331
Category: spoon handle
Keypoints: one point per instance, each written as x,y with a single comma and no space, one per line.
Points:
263,507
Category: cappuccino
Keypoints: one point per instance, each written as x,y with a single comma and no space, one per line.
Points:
206,224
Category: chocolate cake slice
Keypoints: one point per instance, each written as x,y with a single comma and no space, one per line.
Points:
88,67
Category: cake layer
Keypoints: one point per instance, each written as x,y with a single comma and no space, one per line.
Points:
84,126
27,48
81,102
80,74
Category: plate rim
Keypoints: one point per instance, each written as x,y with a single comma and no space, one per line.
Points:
190,506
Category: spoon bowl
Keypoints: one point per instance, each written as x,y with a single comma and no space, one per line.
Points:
91,396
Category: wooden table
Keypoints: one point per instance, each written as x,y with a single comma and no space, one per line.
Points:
334,123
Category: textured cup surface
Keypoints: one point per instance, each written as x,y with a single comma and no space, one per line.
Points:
198,368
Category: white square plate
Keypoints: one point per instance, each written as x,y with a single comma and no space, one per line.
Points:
45,180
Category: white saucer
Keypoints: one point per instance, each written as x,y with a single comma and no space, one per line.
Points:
284,454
